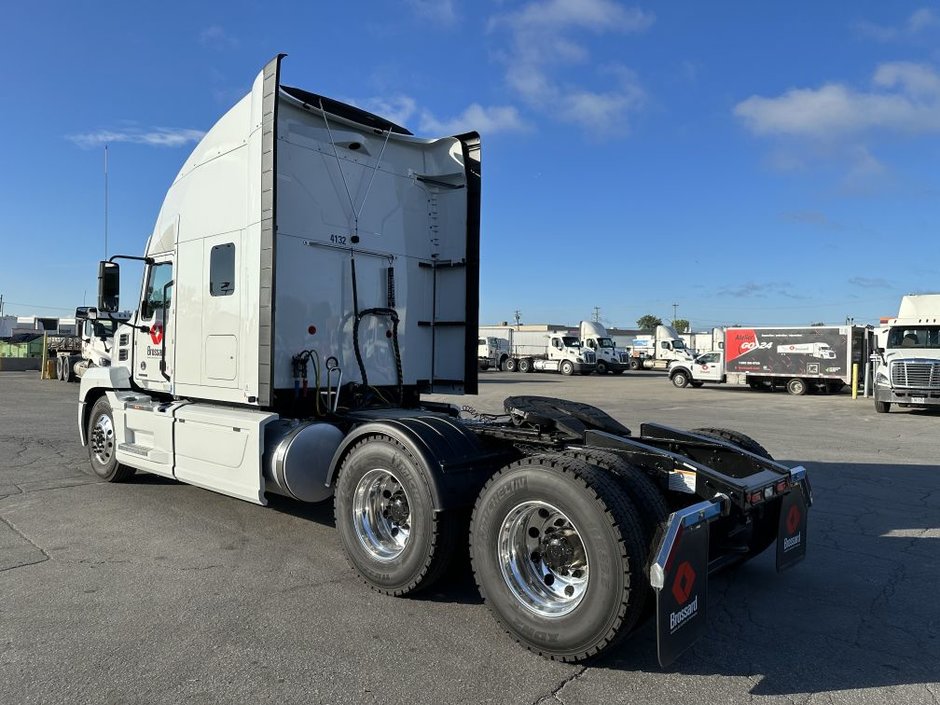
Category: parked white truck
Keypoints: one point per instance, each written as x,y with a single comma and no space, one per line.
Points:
801,359
492,352
553,351
286,330
95,341
907,363
610,358
654,351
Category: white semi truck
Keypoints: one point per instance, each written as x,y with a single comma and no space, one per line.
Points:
492,352
907,363
95,341
552,351
312,272
654,351
610,358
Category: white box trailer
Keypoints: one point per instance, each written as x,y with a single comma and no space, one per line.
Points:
313,270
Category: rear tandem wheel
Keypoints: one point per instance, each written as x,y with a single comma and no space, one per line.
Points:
558,554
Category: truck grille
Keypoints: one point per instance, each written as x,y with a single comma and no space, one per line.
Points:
590,357
624,357
919,374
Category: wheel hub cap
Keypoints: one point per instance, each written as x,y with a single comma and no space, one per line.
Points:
542,559
381,515
102,440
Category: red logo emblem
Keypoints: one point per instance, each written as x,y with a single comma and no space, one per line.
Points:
683,584
793,519
156,333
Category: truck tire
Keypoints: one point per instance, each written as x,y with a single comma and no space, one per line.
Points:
601,368
387,526
58,367
739,439
635,364
512,365
557,553
797,386
882,407
680,378
68,373
502,363
102,444
484,365
567,368
525,365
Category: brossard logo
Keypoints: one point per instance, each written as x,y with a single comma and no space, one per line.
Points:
682,591
793,523
156,335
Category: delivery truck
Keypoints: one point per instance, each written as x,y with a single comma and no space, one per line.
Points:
287,331
815,358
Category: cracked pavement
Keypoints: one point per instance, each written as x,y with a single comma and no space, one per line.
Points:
153,591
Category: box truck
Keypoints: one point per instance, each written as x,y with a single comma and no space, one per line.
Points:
799,359
286,331
907,363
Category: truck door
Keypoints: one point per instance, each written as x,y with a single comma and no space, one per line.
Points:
707,367
152,351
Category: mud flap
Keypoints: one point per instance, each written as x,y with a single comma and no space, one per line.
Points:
679,575
791,532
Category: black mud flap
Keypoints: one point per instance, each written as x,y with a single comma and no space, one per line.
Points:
791,532
679,575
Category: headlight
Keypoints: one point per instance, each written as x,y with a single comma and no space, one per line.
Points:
882,379
579,359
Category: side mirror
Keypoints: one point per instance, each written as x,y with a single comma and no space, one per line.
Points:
881,351
109,286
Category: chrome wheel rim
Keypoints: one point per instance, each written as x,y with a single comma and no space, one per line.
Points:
382,516
102,439
542,559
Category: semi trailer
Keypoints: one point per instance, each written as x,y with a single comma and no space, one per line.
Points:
813,358
610,358
282,347
907,362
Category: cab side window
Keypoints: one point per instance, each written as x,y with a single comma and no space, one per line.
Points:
222,270
157,279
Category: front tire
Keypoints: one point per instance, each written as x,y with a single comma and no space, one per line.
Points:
512,365
601,368
558,555
567,368
387,525
882,407
102,444
634,364
680,379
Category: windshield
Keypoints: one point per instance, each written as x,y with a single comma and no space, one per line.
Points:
914,337
101,328
678,344
571,342
605,342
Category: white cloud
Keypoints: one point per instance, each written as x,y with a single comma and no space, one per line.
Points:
215,37
485,120
904,97
919,22
154,137
440,12
544,41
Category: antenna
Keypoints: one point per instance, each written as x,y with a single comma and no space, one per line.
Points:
106,201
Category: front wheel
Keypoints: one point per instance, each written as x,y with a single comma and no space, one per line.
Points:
102,444
601,368
512,364
558,555
567,368
634,364
386,521
680,379
882,407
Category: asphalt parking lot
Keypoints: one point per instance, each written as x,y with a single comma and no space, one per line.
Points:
153,591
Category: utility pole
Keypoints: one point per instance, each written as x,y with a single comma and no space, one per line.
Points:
518,317
674,314
597,314
1,305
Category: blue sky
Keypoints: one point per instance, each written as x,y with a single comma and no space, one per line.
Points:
756,163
